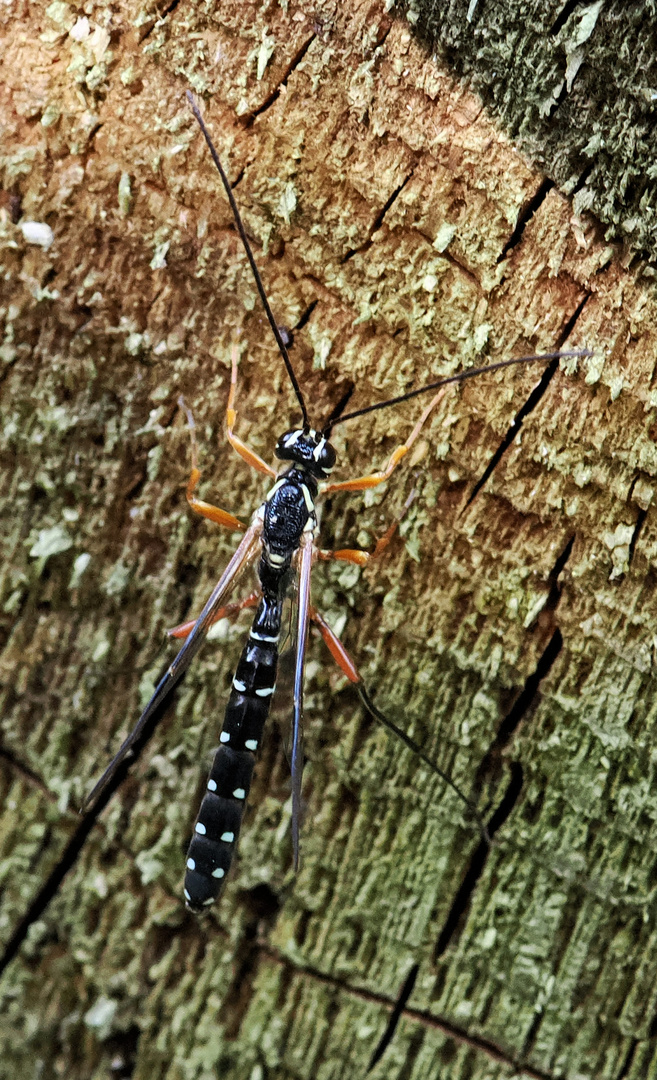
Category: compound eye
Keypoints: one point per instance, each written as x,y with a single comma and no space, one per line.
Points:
327,458
285,445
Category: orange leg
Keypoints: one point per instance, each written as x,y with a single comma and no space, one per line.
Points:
227,612
207,510
335,647
362,558
348,668
362,483
242,449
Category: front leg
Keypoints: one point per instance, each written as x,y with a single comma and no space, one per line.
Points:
206,510
362,483
244,451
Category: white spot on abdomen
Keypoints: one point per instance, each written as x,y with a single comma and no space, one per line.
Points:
265,691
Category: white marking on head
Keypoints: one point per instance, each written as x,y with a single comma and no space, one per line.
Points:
191,864
317,452
200,828
313,434
239,793
224,737
265,691
187,896
292,438
251,744
212,785
218,872
227,837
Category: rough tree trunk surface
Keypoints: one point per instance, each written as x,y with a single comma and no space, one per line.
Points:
575,83
512,635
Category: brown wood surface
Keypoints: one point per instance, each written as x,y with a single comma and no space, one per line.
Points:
513,635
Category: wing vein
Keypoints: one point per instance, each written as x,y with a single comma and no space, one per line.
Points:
303,616
243,555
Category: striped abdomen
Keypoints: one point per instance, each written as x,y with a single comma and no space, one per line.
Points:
218,824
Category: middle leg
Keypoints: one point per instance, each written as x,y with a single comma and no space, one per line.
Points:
229,611
362,558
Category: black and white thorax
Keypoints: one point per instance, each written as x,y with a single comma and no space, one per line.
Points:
289,508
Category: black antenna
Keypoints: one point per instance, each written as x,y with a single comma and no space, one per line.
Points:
339,408
460,377
249,254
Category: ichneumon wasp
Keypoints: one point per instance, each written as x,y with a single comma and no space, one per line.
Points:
282,535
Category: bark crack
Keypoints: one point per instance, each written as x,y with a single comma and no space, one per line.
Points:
418,1016
564,15
525,410
525,216
157,21
477,863
523,702
504,734
378,221
20,767
395,1016
274,94
638,525
629,1058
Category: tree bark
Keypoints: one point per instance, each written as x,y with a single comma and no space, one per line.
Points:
574,84
509,628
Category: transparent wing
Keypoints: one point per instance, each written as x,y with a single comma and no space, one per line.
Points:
282,705
303,616
243,556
